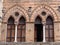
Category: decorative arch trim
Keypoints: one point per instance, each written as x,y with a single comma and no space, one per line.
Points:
50,9
13,8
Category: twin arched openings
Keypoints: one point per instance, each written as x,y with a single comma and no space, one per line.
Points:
38,32
20,30
49,30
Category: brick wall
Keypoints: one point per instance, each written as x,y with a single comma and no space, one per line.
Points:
22,7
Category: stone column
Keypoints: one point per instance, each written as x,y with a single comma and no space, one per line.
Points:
29,32
44,32
15,33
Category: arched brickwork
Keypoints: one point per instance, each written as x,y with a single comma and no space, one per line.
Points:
38,11
11,12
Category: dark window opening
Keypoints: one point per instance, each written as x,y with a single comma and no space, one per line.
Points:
38,33
10,30
49,29
21,30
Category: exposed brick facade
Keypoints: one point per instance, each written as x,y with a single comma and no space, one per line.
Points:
10,7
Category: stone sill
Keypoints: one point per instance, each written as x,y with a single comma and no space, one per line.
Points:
29,43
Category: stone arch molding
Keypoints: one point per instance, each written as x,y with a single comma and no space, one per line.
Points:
37,11
14,9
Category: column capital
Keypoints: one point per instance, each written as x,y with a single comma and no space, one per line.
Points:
16,23
44,23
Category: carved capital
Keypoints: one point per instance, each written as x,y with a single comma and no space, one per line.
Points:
16,23
44,23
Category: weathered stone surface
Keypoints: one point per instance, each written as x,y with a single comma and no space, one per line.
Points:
30,43
57,43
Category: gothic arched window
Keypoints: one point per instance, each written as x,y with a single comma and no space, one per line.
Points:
21,30
38,31
10,30
49,29
38,20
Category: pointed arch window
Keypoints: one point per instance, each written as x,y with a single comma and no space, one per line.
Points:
11,20
38,20
10,30
21,30
38,31
49,29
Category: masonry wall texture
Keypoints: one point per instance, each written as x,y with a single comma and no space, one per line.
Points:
9,7
29,43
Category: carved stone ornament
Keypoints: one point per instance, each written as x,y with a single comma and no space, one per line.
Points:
16,13
43,13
